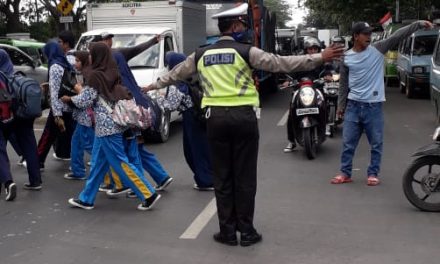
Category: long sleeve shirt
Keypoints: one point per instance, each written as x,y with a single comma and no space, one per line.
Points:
55,77
104,126
362,72
132,52
258,59
83,103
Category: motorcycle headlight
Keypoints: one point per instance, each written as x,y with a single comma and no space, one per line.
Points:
436,136
336,77
306,95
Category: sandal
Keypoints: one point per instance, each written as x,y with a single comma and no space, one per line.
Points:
372,181
340,179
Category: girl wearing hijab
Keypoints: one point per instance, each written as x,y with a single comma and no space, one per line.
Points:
23,130
59,125
148,161
82,139
195,141
108,148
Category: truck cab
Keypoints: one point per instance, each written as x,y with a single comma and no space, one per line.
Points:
414,62
146,67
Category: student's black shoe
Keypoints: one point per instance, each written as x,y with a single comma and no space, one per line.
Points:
116,192
149,203
131,194
201,188
230,240
11,191
105,188
21,161
248,239
78,203
28,186
71,176
164,184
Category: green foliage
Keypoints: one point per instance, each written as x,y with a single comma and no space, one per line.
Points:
330,13
282,10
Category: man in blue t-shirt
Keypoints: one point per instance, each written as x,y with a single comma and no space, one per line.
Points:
361,94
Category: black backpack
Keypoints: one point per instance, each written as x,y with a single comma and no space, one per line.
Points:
196,93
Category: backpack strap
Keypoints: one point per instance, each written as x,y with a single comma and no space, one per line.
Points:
105,104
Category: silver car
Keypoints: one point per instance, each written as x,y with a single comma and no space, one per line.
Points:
24,64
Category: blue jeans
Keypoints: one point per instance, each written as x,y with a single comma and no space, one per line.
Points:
360,117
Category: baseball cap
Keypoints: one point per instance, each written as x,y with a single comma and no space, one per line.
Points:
106,35
361,27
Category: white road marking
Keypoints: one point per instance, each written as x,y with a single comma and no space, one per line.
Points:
38,129
283,119
193,231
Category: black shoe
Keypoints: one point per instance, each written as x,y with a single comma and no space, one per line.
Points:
248,239
71,176
149,203
116,192
164,184
21,161
11,191
202,189
131,194
80,204
230,240
28,186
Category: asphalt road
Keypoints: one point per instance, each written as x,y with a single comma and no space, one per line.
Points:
303,218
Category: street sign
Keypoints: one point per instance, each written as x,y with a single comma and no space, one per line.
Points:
66,19
65,7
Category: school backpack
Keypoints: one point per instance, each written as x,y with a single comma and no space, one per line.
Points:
196,94
127,113
26,95
6,114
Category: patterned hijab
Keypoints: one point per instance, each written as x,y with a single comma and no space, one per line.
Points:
104,75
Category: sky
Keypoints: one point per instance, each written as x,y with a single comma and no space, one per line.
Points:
297,13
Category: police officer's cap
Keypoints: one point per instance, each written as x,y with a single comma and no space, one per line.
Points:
236,13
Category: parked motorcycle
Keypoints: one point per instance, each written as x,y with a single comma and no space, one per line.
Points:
421,181
308,116
331,92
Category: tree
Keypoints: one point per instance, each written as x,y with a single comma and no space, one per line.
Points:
282,10
10,9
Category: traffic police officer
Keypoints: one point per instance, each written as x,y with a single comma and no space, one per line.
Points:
230,98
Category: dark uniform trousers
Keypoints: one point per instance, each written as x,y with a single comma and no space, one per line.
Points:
23,130
233,140
52,136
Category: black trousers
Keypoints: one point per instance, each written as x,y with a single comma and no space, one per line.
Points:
233,141
23,132
52,136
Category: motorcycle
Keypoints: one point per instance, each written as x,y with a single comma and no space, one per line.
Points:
331,92
308,116
421,181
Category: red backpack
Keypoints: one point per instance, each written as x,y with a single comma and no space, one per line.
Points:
6,114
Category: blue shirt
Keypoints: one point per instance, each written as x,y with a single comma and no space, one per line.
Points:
365,79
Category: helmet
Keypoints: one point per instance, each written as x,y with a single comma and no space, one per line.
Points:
337,39
311,42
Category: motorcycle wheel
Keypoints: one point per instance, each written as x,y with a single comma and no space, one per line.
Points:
332,120
309,143
421,183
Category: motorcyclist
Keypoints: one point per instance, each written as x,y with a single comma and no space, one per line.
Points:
311,46
337,40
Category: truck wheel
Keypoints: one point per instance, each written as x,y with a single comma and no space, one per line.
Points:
163,134
409,90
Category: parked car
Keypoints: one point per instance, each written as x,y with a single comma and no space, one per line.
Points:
24,64
31,47
435,79
414,62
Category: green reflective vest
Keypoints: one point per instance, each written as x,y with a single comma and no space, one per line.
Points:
225,76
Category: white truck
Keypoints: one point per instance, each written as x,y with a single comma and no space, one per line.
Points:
181,24
326,34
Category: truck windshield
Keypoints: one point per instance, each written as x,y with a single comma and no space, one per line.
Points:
147,59
424,45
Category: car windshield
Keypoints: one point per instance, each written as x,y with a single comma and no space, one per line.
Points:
424,45
147,59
